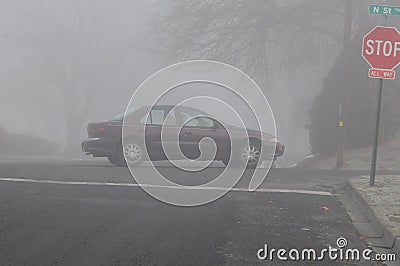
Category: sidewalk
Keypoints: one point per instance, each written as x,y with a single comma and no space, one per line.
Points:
381,204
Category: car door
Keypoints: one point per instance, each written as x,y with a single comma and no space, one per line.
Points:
160,119
197,127
152,126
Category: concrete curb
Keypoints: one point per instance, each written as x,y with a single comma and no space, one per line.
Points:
390,236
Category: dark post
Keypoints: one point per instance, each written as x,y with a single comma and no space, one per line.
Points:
375,149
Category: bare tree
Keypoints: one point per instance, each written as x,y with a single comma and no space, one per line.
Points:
262,37
275,41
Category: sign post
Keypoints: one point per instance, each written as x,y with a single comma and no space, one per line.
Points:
381,49
375,149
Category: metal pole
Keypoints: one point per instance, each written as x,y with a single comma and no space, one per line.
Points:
375,149
378,116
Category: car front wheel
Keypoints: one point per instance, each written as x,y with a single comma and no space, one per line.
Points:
251,154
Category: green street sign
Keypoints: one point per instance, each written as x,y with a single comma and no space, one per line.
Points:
384,10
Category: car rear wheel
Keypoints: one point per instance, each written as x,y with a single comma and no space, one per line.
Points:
132,152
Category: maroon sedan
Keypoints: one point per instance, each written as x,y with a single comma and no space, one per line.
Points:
105,138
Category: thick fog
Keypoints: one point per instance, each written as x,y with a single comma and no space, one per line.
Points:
67,63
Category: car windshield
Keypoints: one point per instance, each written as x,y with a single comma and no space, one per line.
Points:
120,117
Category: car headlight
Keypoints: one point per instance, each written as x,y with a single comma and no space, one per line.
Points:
274,140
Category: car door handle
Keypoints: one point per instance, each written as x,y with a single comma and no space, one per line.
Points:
187,133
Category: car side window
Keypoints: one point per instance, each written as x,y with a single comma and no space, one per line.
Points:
170,119
202,122
158,116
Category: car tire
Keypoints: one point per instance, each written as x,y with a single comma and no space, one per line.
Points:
131,152
251,153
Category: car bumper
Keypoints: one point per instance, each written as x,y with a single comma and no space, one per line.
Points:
278,150
96,147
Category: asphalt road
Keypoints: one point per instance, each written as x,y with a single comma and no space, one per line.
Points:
83,212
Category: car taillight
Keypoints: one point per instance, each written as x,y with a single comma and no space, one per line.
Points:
100,129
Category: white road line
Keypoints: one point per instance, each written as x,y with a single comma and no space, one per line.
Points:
59,182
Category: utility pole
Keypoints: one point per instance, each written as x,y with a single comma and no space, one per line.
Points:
344,107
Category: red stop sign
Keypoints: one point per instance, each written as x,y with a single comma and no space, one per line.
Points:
381,48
